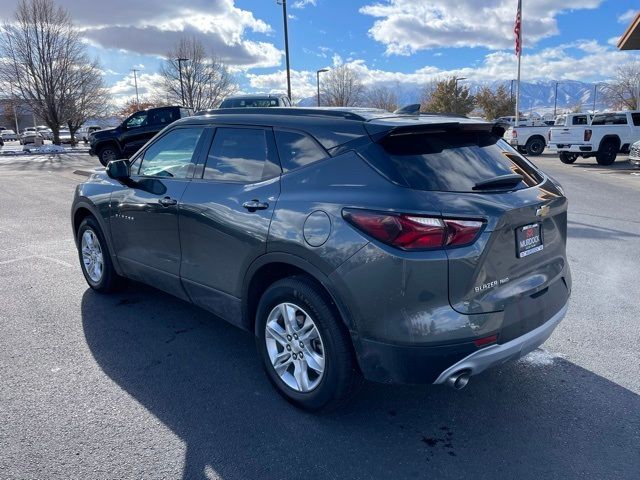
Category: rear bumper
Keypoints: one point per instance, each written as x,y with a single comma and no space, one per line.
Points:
497,354
572,148
387,363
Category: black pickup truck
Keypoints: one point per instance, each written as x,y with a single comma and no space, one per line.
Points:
127,138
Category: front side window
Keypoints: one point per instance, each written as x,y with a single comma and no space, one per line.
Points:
137,121
172,154
237,155
636,119
297,150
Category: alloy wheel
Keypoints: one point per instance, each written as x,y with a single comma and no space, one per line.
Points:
295,347
92,257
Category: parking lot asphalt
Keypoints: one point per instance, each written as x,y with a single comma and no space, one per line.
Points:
142,385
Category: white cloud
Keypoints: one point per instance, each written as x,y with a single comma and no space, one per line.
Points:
124,88
304,3
302,83
407,26
627,16
151,27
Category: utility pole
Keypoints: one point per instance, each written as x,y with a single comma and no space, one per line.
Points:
595,94
135,81
511,91
318,72
180,60
555,101
455,92
286,43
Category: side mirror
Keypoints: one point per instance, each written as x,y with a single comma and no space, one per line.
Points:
119,170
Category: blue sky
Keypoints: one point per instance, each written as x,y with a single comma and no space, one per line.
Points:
386,41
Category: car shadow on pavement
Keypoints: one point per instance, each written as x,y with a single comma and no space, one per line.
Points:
542,417
586,230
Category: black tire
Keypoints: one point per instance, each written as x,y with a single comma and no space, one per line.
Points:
107,154
535,146
608,152
568,158
109,281
341,378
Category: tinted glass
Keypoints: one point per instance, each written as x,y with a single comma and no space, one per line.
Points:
138,120
610,119
454,161
636,119
297,150
560,121
171,155
249,103
237,155
163,116
580,120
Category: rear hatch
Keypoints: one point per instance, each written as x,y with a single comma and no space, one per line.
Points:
518,263
567,135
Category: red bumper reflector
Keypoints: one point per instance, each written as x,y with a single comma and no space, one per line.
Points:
481,342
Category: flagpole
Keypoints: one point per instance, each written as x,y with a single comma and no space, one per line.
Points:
519,40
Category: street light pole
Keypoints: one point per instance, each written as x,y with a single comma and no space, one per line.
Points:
286,44
595,94
555,101
318,72
511,91
180,60
135,81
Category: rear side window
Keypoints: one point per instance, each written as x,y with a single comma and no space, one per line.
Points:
163,116
238,155
610,119
636,119
580,120
297,150
452,161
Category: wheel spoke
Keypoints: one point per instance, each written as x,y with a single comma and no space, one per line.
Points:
282,362
308,331
288,317
301,375
314,359
275,331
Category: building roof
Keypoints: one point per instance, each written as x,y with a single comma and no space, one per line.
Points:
630,40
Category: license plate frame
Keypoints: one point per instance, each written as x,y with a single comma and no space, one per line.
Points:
529,239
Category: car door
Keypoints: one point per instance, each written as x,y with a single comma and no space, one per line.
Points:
137,130
144,214
225,214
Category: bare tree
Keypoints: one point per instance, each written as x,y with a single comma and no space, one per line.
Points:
382,97
87,96
447,96
495,103
132,106
205,80
41,50
624,91
342,87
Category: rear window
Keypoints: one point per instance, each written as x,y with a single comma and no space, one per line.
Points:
452,161
560,121
249,103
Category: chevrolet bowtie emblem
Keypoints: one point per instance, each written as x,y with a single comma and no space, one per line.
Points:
543,211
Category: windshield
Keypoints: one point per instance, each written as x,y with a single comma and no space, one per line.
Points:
453,161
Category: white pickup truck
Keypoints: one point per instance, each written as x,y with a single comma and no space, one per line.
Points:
532,139
606,136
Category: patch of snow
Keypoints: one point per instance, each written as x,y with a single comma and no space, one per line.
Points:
540,357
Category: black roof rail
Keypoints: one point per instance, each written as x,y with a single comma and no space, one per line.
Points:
346,114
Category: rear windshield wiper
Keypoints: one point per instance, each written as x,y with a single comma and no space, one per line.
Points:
510,180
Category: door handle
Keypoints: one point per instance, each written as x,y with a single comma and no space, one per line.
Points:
254,205
167,201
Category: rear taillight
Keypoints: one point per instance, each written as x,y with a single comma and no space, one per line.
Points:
587,135
414,232
514,133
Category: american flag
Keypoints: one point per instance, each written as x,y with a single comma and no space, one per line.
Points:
517,29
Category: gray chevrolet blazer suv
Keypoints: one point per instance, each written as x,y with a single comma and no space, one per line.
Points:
352,243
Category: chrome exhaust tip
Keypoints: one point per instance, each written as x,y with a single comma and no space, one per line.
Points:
459,380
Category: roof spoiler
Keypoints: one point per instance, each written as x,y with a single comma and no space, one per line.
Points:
411,109
378,132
